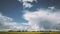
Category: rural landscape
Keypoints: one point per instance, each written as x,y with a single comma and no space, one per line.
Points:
29,16
30,32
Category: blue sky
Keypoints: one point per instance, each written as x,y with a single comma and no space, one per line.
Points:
14,8
30,14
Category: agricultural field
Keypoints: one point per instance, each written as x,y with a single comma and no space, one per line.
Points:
29,32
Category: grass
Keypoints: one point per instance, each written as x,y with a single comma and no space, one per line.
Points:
29,32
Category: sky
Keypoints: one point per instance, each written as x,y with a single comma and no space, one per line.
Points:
30,15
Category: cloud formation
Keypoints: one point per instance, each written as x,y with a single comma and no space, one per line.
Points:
27,3
7,23
43,20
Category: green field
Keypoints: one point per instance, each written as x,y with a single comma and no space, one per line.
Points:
29,32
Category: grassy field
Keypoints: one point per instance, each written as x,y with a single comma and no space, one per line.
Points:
29,32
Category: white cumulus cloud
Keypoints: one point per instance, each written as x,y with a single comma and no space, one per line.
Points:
43,20
39,20
27,3
7,23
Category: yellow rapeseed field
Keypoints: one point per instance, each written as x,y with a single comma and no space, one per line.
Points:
29,32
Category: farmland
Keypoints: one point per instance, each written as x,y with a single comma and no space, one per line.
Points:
29,32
